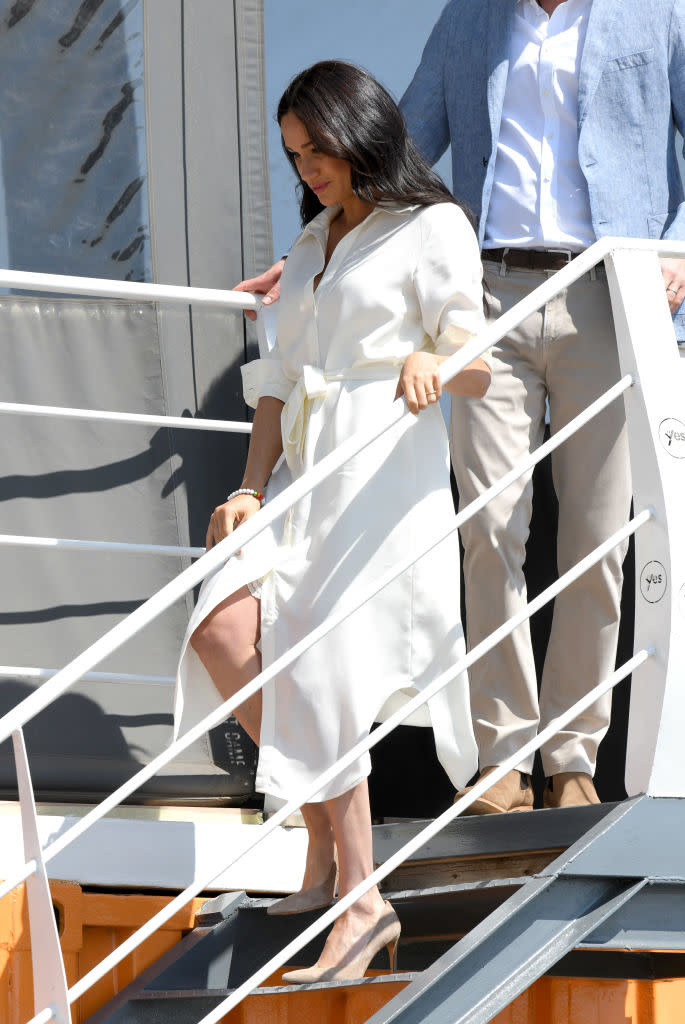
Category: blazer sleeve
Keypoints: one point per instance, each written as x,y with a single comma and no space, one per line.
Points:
449,279
676,81
423,104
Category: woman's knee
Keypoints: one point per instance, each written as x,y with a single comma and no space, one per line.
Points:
230,625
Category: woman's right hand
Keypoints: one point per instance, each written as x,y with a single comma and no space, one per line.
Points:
227,517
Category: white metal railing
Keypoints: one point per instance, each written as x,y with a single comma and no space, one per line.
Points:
121,290
650,512
30,672
130,291
148,771
120,547
222,712
134,418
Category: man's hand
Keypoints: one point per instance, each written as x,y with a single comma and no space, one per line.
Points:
267,284
673,273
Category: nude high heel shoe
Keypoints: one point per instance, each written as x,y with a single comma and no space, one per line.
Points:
309,899
386,932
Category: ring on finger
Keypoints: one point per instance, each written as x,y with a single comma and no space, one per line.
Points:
674,290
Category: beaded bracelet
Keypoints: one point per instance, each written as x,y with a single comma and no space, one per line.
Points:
247,490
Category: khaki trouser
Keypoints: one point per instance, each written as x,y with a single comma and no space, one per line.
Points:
566,352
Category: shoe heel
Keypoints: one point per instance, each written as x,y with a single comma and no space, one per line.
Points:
392,954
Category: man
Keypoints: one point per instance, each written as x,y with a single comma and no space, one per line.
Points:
560,115
562,131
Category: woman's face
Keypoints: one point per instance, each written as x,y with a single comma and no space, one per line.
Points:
329,177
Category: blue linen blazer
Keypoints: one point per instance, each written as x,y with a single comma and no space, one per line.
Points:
631,99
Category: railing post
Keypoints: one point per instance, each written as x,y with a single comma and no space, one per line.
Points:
655,409
50,988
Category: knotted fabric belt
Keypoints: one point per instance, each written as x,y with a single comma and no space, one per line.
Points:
531,259
312,384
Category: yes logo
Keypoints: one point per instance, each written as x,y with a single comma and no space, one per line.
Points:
653,582
672,437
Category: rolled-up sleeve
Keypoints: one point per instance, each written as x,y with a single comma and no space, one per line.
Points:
264,378
449,279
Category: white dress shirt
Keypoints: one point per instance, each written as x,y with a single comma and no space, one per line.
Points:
404,280
539,197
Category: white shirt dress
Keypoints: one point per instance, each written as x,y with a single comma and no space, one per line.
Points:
406,279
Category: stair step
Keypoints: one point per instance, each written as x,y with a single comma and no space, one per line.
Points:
402,977
484,847
352,1002
448,888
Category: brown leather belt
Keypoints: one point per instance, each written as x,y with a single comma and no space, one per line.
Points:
531,259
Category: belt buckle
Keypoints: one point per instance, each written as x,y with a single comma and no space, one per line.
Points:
568,253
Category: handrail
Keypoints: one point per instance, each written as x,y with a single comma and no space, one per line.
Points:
29,672
121,547
532,459
299,488
360,748
221,713
159,602
106,288
137,418
99,287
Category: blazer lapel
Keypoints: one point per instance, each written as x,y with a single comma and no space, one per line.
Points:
603,13
500,21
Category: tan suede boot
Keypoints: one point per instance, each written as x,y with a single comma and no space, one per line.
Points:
570,789
512,793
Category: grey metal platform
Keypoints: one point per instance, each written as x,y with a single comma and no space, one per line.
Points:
608,890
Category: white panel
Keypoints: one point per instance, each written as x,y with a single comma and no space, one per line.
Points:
655,408
164,849
49,978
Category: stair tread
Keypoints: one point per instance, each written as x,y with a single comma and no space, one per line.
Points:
488,835
259,903
222,993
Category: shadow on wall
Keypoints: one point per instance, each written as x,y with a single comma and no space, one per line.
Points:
72,729
211,463
78,731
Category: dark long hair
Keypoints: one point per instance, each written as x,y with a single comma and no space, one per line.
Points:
348,114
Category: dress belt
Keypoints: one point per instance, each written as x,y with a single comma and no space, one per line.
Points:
531,259
311,384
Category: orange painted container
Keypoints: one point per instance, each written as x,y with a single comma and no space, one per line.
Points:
548,1001
92,924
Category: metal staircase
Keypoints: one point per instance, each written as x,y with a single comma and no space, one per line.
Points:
470,947
490,905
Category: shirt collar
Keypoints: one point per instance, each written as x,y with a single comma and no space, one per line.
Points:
320,224
521,4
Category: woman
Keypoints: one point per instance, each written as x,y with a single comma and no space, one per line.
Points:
383,285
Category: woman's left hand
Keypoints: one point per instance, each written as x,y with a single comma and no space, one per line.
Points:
420,381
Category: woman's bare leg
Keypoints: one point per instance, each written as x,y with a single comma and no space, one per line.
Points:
226,643
350,816
320,846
